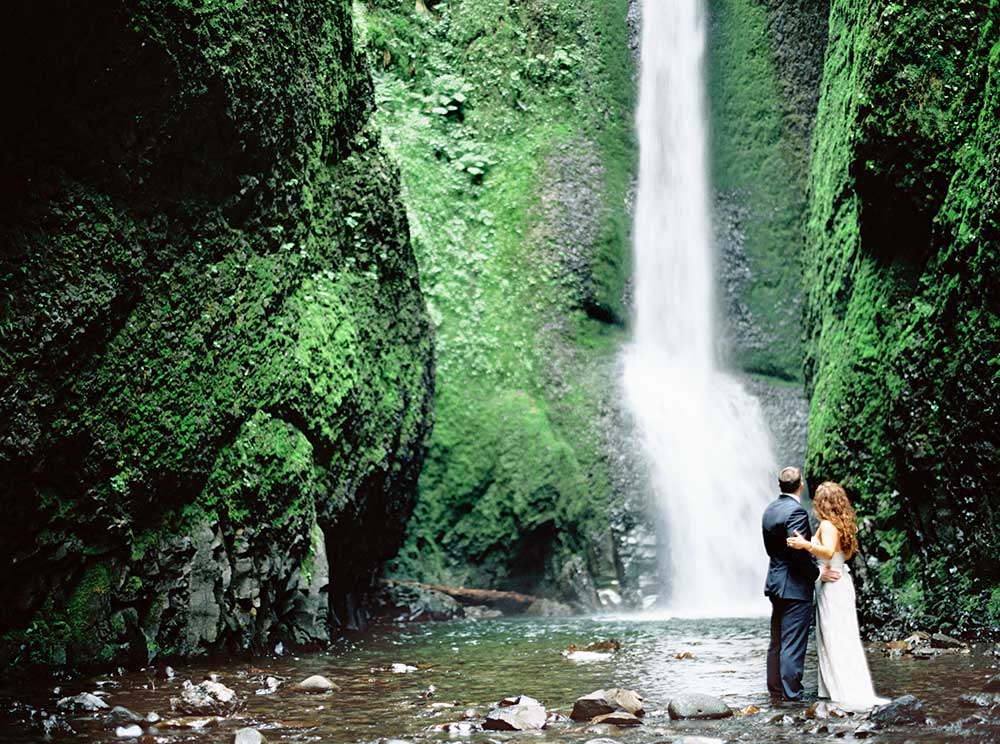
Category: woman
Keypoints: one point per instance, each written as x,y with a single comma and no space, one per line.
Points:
843,668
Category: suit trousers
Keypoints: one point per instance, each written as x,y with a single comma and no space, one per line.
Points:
791,620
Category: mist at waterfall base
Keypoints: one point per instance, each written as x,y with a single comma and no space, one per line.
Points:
703,436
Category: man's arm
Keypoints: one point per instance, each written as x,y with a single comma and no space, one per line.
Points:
799,522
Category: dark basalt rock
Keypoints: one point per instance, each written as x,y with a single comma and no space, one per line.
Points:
902,711
217,373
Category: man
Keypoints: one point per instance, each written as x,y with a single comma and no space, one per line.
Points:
791,576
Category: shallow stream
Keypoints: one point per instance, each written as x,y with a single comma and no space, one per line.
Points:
474,663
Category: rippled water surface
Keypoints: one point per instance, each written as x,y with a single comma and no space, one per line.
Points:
475,663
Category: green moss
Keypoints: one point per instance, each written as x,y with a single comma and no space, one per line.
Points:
759,151
212,311
512,123
902,305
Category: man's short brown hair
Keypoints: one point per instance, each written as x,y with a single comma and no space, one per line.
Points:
789,480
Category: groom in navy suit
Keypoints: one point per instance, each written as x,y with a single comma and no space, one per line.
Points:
791,576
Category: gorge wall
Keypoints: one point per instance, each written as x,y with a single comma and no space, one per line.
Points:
216,368
903,302
512,123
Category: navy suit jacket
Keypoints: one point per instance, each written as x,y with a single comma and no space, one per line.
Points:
792,573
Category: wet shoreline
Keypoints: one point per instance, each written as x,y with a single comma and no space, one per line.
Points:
455,671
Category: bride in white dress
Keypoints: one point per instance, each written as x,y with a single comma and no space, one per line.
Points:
843,669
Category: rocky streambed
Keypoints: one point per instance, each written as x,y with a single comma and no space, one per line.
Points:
482,680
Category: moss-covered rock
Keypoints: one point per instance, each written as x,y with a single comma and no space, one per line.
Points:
214,341
512,122
903,301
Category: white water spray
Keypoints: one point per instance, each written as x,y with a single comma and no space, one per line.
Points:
708,449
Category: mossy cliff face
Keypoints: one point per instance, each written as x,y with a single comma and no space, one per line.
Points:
903,301
764,62
512,122
216,371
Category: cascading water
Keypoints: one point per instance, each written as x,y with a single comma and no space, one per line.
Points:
708,449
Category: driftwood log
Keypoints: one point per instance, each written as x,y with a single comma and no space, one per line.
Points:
510,603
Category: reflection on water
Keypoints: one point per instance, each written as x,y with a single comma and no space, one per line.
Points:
474,663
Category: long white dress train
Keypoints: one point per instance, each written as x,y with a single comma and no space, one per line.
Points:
844,677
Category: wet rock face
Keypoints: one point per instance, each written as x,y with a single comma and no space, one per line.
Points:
216,380
903,302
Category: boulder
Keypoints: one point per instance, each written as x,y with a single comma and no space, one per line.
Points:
698,706
131,731
618,718
899,712
84,701
316,683
697,740
602,702
249,736
481,612
548,608
526,714
940,640
206,698
415,603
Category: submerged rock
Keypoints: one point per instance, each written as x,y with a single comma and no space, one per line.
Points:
992,684
901,711
191,722
482,612
602,702
316,683
522,713
698,706
205,698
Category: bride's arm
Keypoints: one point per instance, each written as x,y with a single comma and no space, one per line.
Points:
823,545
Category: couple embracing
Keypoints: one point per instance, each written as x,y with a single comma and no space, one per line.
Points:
803,565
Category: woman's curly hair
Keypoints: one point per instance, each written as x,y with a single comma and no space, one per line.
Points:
831,503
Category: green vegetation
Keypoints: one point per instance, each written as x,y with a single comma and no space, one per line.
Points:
903,301
214,338
760,172
512,124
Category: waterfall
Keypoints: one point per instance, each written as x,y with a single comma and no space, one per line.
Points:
708,449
